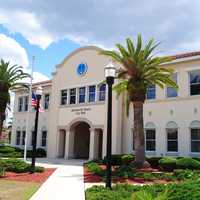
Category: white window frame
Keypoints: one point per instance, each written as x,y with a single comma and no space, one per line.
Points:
95,93
177,82
189,85
191,152
82,95
44,101
166,135
99,92
150,139
61,97
72,96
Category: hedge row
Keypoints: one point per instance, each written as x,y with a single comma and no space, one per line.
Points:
17,165
14,152
188,190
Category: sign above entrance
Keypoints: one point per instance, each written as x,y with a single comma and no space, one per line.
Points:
82,69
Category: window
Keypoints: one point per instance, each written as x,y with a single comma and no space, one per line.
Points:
151,92
92,91
18,137
171,92
46,101
72,99
172,140
81,95
44,139
20,104
195,83
63,97
23,137
26,103
102,92
150,140
195,140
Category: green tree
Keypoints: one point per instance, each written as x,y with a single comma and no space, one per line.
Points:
10,77
139,70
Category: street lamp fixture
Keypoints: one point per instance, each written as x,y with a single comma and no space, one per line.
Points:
110,73
38,94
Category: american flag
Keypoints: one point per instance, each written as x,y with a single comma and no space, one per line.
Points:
34,102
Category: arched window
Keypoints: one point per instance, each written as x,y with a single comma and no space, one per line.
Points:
150,136
44,137
195,136
172,136
18,136
102,92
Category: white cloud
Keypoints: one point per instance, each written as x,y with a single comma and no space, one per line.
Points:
12,51
26,24
103,22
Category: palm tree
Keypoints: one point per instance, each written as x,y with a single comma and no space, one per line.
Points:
10,77
139,70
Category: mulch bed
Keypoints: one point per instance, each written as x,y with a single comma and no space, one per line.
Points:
36,177
92,178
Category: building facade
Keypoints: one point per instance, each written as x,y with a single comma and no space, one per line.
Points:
75,103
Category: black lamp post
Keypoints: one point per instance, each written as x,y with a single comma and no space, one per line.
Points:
38,97
110,72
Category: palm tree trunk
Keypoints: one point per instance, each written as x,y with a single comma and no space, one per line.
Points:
138,134
4,94
1,125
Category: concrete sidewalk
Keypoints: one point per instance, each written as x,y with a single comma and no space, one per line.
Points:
66,183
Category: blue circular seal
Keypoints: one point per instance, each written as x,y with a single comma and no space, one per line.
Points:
82,69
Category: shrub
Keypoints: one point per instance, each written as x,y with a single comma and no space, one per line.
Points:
153,161
40,152
6,149
95,168
17,166
148,196
181,174
116,159
126,159
168,163
126,171
188,163
188,190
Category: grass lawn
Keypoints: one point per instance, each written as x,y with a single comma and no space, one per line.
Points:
17,190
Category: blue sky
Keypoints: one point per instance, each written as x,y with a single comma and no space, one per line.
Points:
50,30
45,59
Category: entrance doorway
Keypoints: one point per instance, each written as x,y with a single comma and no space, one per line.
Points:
81,141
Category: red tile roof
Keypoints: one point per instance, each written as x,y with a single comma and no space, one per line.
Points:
186,55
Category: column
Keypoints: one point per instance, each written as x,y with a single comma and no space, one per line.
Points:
67,137
91,152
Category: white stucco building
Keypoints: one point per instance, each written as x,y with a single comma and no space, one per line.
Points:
74,122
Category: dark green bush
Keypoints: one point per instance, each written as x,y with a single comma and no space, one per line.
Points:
6,149
17,165
188,163
127,159
182,174
126,171
116,159
188,190
153,161
168,163
95,168
40,152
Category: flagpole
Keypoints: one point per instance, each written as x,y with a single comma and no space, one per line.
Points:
29,109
